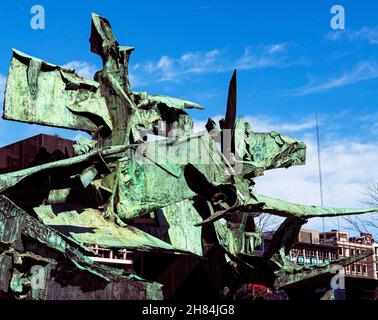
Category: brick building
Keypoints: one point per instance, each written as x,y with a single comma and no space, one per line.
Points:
33,151
349,246
315,247
308,249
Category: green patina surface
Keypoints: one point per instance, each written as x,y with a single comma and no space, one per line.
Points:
87,225
202,183
182,216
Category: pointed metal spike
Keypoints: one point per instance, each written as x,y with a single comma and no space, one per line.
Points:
228,126
287,209
230,118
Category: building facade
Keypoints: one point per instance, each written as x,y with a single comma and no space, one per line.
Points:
33,151
315,247
350,246
307,250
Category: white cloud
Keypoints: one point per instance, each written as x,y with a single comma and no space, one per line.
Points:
199,125
264,124
277,47
369,122
82,68
213,61
262,57
346,166
199,62
366,33
364,70
167,69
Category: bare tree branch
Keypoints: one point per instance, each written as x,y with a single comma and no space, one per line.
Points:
267,222
369,222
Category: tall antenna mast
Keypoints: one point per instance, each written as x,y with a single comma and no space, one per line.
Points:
320,167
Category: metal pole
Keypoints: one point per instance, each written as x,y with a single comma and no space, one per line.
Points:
320,167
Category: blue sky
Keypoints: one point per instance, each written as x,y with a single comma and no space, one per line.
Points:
290,63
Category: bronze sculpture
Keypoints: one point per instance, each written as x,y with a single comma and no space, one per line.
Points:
201,196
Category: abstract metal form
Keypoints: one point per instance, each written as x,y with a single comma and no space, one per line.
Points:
199,196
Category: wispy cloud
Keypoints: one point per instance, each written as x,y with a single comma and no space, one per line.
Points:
369,34
263,56
364,70
174,69
82,68
347,165
369,123
213,61
262,123
167,68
